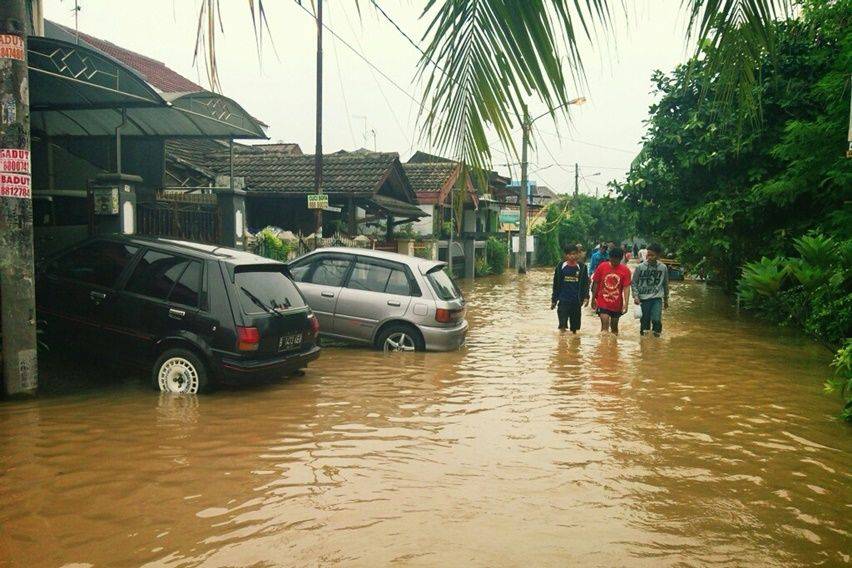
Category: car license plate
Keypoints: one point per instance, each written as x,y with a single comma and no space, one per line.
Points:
289,342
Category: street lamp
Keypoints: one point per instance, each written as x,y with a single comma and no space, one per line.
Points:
526,125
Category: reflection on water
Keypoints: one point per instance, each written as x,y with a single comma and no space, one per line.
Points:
710,445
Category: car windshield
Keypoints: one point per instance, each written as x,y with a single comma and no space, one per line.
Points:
263,291
443,285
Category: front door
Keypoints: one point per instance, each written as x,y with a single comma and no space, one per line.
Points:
375,291
320,278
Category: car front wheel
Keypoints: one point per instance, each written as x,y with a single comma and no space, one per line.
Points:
180,371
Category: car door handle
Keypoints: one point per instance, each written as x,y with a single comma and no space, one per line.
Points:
327,294
176,314
97,296
392,303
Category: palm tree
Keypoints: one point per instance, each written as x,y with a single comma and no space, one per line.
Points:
484,60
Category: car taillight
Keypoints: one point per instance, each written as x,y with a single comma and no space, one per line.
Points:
313,322
248,338
443,315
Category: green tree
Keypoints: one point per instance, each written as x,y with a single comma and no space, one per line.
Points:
723,195
585,220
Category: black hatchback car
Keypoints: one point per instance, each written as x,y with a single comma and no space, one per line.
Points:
196,314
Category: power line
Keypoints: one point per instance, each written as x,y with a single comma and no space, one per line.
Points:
375,67
362,56
379,87
572,139
343,92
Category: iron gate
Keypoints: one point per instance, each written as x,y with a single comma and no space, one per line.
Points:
186,217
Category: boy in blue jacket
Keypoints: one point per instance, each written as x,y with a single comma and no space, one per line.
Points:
570,289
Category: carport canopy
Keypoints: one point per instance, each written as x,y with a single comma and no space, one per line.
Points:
79,91
395,208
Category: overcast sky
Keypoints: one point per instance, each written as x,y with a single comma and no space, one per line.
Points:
603,136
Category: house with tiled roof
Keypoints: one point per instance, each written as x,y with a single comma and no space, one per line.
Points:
363,187
438,184
433,176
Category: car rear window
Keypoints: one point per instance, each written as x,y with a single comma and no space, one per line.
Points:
443,285
263,290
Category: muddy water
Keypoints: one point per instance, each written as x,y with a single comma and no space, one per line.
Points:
711,445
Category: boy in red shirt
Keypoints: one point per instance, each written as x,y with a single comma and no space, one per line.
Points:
611,290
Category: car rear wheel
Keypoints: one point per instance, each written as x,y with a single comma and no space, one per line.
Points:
180,371
400,337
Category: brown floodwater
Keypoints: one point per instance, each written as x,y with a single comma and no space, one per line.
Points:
713,445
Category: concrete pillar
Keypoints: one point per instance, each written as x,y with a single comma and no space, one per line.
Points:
405,246
231,206
114,198
17,302
469,258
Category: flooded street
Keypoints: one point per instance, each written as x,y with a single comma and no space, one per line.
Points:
711,445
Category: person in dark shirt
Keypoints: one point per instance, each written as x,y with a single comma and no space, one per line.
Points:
570,289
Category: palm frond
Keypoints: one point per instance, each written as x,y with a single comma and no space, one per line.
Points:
484,59
734,36
210,22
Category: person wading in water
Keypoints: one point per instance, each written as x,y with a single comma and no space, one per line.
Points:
570,289
611,290
651,290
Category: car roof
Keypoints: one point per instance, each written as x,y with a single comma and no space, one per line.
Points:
414,262
211,252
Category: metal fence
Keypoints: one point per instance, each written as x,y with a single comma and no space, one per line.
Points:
191,217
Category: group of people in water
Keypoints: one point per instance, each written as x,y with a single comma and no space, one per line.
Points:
607,284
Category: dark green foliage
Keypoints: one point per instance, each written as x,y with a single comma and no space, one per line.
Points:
585,220
723,195
496,255
481,267
841,382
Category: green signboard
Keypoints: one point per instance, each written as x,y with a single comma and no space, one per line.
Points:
317,201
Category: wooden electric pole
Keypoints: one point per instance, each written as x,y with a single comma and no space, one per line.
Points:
17,284
523,195
318,151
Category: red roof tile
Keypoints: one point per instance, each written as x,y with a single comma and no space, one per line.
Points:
155,72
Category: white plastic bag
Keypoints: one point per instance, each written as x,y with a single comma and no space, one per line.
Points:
637,312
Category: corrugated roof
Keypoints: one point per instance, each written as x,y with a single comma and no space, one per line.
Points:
199,151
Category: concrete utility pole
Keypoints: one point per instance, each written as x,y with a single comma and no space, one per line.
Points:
576,180
17,284
523,196
318,151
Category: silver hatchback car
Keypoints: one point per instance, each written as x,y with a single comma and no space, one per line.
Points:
392,301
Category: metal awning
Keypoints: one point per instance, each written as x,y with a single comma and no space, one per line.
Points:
396,207
79,91
65,76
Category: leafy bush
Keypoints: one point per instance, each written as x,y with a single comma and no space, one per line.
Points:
762,278
817,250
481,267
841,382
496,255
271,246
